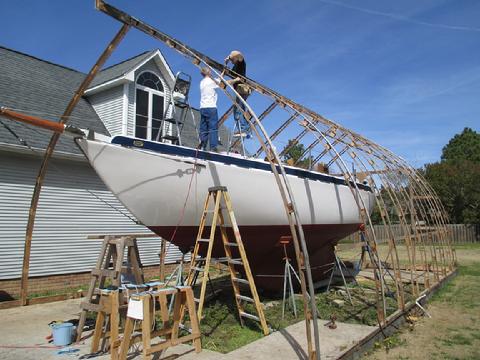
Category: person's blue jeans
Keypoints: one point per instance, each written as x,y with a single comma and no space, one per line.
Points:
239,118
209,127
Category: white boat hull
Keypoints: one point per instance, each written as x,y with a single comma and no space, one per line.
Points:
164,190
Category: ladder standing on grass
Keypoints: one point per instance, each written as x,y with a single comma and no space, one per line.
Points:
201,264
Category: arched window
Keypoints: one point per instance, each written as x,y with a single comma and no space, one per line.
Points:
150,80
150,105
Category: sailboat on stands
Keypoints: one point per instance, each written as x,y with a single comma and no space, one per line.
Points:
160,182
152,180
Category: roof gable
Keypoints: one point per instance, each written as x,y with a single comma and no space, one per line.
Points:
124,71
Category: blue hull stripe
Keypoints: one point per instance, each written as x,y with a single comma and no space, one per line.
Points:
225,159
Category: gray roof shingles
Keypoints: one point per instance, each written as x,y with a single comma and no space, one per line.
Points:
37,87
120,69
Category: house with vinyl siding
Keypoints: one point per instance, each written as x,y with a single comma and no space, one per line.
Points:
124,99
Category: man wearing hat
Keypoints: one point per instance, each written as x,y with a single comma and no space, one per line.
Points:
239,67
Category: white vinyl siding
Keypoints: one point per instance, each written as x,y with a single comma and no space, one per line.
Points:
73,204
131,110
109,107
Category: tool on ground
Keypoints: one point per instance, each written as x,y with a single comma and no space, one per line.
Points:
331,323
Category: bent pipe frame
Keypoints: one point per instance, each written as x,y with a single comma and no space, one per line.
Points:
282,181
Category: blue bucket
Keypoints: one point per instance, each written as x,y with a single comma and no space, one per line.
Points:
62,333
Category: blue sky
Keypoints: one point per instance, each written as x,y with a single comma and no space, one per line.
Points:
405,74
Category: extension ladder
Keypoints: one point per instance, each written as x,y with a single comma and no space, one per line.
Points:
216,202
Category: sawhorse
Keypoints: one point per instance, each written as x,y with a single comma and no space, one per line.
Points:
146,306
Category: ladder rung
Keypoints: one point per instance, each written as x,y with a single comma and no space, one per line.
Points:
170,137
213,210
105,272
226,226
198,269
172,121
235,261
196,300
231,244
203,240
91,307
245,298
242,281
250,316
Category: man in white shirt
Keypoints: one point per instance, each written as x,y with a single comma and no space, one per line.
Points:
208,111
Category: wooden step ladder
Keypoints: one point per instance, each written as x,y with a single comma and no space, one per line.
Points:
216,202
110,267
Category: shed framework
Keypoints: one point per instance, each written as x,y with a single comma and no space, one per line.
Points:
402,196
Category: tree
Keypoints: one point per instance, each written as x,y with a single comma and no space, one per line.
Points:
464,146
456,177
294,153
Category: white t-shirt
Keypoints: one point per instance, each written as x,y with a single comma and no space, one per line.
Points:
208,95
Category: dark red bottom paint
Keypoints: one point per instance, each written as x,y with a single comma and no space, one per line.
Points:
264,255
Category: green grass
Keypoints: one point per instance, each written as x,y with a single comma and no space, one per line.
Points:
222,332
464,291
68,290
455,333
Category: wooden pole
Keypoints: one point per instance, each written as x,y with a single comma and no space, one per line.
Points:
163,255
48,154
33,120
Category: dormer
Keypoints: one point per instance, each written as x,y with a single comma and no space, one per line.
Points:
133,96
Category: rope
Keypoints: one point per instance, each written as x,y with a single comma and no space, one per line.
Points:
20,140
182,212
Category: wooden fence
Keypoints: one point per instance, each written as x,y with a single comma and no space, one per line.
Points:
459,233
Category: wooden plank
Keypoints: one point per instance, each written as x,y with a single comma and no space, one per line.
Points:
146,327
127,334
102,236
91,307
114,323
10,304
97,333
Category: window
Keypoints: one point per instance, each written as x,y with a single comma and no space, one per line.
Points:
150,106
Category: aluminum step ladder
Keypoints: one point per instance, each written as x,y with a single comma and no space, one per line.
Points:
179,99
219,205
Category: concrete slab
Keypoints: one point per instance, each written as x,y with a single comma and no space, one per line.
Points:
291,342
23,331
